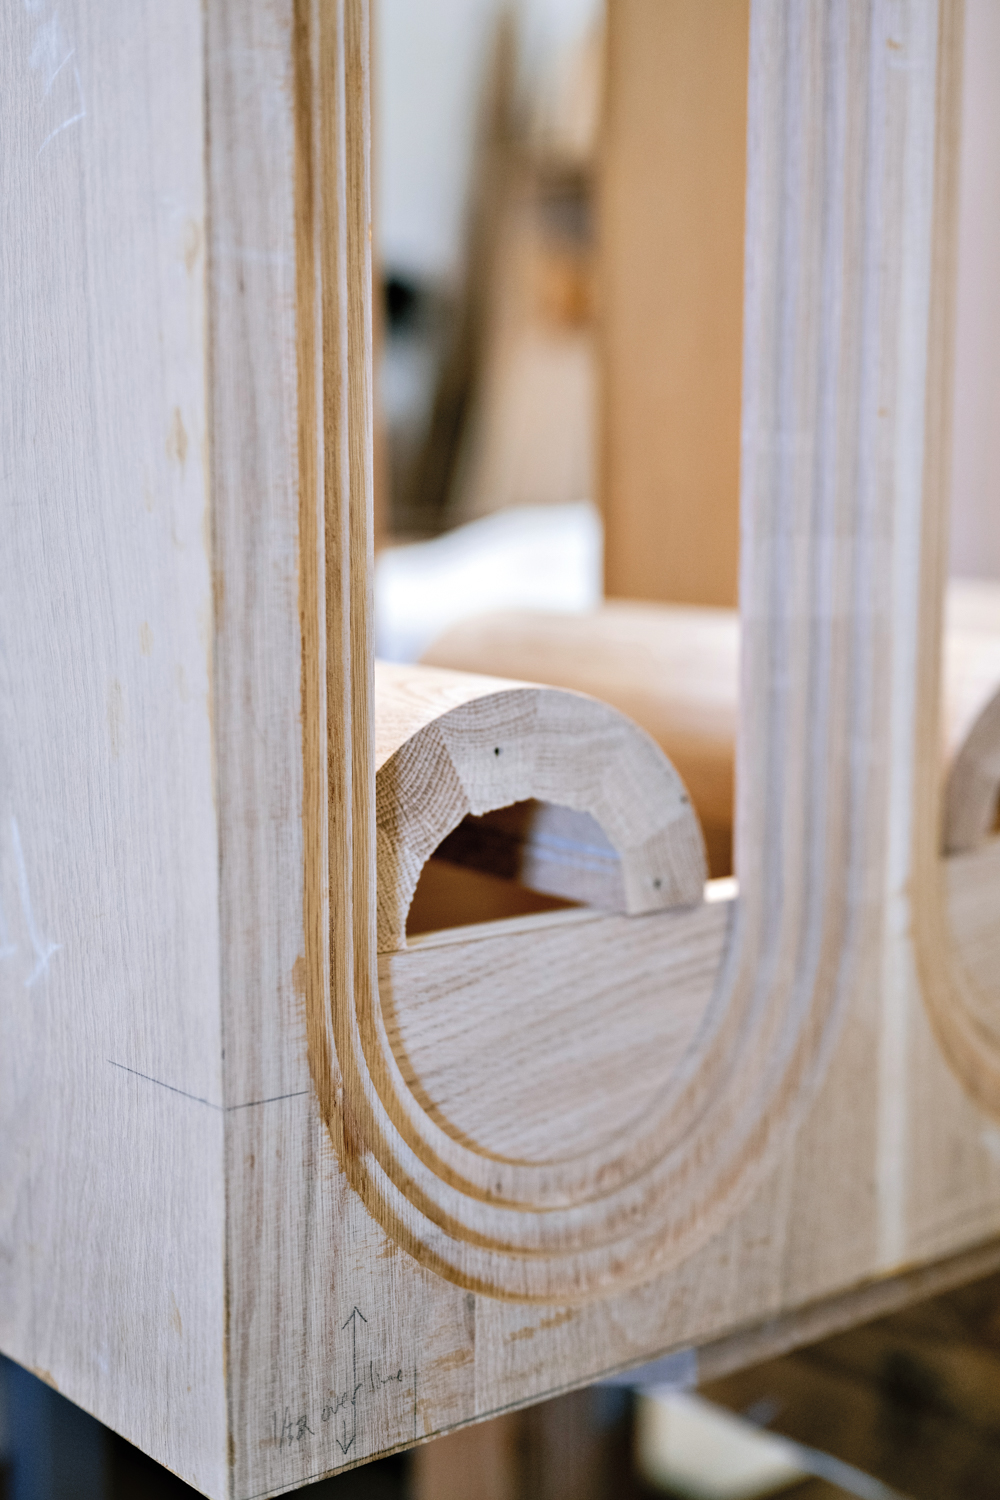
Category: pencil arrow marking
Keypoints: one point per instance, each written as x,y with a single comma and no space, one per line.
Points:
348,1442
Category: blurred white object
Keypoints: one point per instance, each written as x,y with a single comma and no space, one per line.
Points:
531,557
690,1447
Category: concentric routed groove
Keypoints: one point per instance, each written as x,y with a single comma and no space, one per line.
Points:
841,106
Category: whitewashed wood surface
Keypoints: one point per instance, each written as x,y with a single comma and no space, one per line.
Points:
112,1189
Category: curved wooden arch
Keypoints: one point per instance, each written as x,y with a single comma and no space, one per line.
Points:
843,112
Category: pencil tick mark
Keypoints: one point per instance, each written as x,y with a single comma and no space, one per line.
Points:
226,1109
160,1084
274,1099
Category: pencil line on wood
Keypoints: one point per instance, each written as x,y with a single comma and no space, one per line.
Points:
222,1108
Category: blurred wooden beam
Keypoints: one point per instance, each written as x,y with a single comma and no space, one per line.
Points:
671,227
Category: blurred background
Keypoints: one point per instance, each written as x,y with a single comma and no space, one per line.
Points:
488,119
559,232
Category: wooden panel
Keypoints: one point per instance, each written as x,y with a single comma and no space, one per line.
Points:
801,1107
671,229
292,476
263,430
112,1192
819,956
510,1033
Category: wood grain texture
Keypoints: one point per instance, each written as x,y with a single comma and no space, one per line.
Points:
112,1189
811,918
509,1038
671,228
567,750
817,1017
289,160
261,425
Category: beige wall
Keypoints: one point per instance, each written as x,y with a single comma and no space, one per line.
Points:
672,210
976,464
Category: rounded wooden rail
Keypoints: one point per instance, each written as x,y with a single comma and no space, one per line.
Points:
517,1071
611,823
675,670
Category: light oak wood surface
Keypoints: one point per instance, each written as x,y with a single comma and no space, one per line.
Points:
269,1205
112,1186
